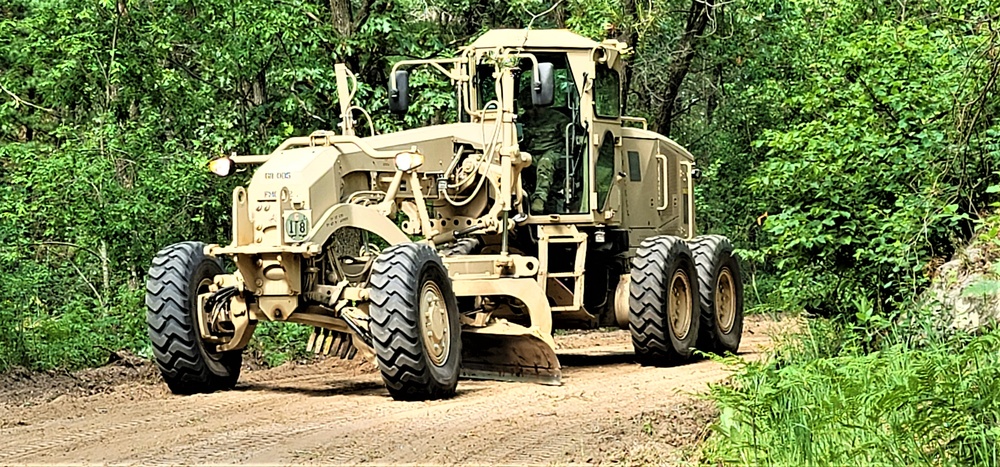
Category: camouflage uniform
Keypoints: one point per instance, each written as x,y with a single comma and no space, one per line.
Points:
545,139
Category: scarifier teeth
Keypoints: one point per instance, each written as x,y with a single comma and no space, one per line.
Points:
330,337
343,346
346,349
311,346
329,342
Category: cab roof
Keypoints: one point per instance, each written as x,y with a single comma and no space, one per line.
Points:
534,38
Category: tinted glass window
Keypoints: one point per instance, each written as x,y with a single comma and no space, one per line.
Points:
607,92
565,98
485,85
605,168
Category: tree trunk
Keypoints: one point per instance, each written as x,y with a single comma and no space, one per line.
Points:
714,93
697,19
340,17
631,37
560,16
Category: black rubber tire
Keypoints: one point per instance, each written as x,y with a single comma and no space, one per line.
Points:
398,275
653,338
713,254
172,287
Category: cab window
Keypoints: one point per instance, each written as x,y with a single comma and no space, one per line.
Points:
604,169
607,93
565,98
485,85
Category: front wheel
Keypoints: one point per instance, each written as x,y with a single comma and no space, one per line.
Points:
663,312
178,275
415,324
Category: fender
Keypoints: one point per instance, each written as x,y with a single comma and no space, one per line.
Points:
360,217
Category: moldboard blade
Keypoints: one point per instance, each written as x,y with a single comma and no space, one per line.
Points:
523,358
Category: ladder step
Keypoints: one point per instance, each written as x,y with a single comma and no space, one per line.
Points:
562,274
565,240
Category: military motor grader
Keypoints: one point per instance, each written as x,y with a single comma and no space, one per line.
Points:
418,249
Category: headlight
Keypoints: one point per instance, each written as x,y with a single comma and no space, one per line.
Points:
408,160
222,166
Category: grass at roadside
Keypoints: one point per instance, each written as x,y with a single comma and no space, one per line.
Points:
828,398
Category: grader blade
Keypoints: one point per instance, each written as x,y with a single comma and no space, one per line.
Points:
509,357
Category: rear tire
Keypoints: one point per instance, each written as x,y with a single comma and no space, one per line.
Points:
720,288
415,324
179,273
663,314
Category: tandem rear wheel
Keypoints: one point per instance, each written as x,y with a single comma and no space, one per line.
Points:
720,294
664,316
685,296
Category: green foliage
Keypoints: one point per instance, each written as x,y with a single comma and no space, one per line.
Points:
854,145
825,400
985,285
277,343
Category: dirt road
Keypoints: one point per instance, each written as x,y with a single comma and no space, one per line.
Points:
335,412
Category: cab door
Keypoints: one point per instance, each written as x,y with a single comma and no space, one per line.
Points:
606,146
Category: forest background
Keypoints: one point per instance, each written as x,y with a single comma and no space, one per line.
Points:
848,148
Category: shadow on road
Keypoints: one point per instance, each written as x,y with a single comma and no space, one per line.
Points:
595,359
591,359
334,388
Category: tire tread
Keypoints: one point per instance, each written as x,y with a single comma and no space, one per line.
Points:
394,285
709,252
648,323
171,328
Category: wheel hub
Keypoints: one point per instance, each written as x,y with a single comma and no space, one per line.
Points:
210,319
725,300
679,306
435,323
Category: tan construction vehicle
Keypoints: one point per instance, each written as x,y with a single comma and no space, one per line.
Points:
445,251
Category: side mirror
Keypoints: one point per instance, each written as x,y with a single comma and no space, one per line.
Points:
543,86
399,99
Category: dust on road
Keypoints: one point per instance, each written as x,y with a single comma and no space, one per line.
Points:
335,412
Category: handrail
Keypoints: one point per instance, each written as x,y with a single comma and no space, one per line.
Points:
662,162
690,195
330,139
645,124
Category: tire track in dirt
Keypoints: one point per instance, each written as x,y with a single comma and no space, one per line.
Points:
335,413
253,444
488,402
38,437
94,433
505,428
371,418
561,436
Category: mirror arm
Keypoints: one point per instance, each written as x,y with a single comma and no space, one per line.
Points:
435,62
